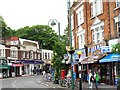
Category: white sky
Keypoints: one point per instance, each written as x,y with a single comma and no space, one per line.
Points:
20,13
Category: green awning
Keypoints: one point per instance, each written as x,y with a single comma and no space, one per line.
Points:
4,66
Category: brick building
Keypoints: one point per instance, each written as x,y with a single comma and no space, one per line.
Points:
93,24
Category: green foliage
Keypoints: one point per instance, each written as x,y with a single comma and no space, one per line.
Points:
46,37
5,31
116,48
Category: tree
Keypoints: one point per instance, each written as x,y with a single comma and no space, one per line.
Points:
5,31
41,33
116,48
59,50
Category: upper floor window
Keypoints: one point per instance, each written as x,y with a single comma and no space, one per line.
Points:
38,55
96,8
31,55
97,34
118,28
13,53
48,56
23,54
45,55
27,54
72,22
0,52
80,15
35,55
117,3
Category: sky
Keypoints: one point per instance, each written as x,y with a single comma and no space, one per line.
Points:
20,13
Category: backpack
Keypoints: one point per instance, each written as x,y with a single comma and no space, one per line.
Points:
92,79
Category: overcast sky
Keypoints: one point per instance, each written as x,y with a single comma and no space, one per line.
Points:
20,13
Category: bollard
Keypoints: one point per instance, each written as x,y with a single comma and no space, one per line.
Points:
80,84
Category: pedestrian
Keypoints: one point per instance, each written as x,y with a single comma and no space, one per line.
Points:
97,78
90,79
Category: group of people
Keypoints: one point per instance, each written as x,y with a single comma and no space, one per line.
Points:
93,79
48,76
37,71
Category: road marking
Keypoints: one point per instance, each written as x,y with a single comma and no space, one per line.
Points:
53,87
13,84
39,81
46,84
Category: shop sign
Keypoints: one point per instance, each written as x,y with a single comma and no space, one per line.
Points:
10,64
115,58
105,49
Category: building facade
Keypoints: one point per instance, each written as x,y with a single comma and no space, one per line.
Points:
94,23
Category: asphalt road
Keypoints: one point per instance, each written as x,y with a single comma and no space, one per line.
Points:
38,83
29,82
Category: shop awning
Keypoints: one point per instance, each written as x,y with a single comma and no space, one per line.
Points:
110,58
4,66
92,59
31,61
17,65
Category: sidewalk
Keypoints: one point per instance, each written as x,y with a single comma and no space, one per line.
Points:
85,85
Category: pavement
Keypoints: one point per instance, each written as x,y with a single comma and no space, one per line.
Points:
84,85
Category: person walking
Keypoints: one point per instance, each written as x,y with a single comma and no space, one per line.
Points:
97,78
90,79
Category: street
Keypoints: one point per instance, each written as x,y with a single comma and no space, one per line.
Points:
27,82
38,83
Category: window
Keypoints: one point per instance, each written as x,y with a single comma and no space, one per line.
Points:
117,3
72,22
48,56
38,55
118,29
13,53
96,8
27,54
0,52
23,54
35,56
31,55
92,10
98,34
45,55
81,38
80,15
93,36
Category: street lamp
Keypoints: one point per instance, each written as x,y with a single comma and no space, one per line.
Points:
80,81
71,51
52,22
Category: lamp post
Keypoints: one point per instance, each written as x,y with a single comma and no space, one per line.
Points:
80,81
71,51
52,22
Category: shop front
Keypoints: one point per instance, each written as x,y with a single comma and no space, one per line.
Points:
4,70
108,70
30,67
